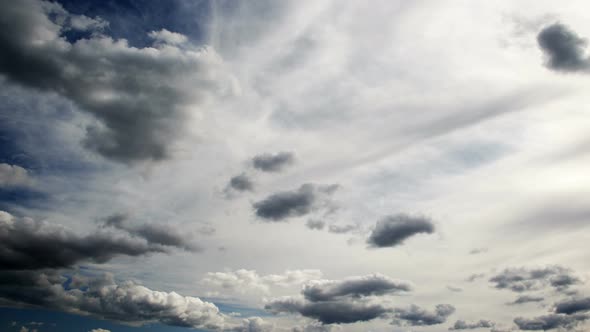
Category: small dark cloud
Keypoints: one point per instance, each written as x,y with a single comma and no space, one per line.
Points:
241,183
549,322
315,224
564,48
273,162
522,279
455,289
26,244
334,312
463,325
527,299
417,316
285,204
393,230
329,290
573,306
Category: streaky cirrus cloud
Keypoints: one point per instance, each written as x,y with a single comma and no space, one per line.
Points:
564,48
297,203
393,230
138,96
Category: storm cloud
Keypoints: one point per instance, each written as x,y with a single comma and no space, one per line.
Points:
27,244
393,230
273,162
564,48
523,279
137,95
297,203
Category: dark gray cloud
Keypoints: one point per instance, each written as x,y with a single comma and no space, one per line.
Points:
315,224
273,162
377,284
285,204
392,230
154,233
332,312
417,316
526,299
26,244
463,325
549,322
101,297
564,48
573,306
523,279
137,95
241,183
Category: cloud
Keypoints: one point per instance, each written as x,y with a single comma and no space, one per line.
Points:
564,48
463,325
138,96
164,235
247,280
474,277
341,301
285,204
273,162
315,224
241,183
454,289
417,316
393,230
99,330
573,306
341,229
14,176
253,324
526,299
549,322
523,279
103,298
317,327
356,287
334,312
167,37
27,244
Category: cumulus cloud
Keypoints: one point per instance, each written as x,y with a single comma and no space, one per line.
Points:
253,324
572,306
14,176
393,230
273,162
103,298
523,279
564,48
527,299
341,301
549,322
168,37
417,316
99,330
245,280
241,182
138,96
332,312
463,325
376,284
28,244
282,205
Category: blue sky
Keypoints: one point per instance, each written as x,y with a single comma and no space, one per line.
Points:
303,166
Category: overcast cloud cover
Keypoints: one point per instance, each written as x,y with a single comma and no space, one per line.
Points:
294,165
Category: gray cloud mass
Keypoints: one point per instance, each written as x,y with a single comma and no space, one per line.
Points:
564,48
417,316
393,230
523,279
273,162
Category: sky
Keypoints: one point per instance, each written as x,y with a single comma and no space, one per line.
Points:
297,166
